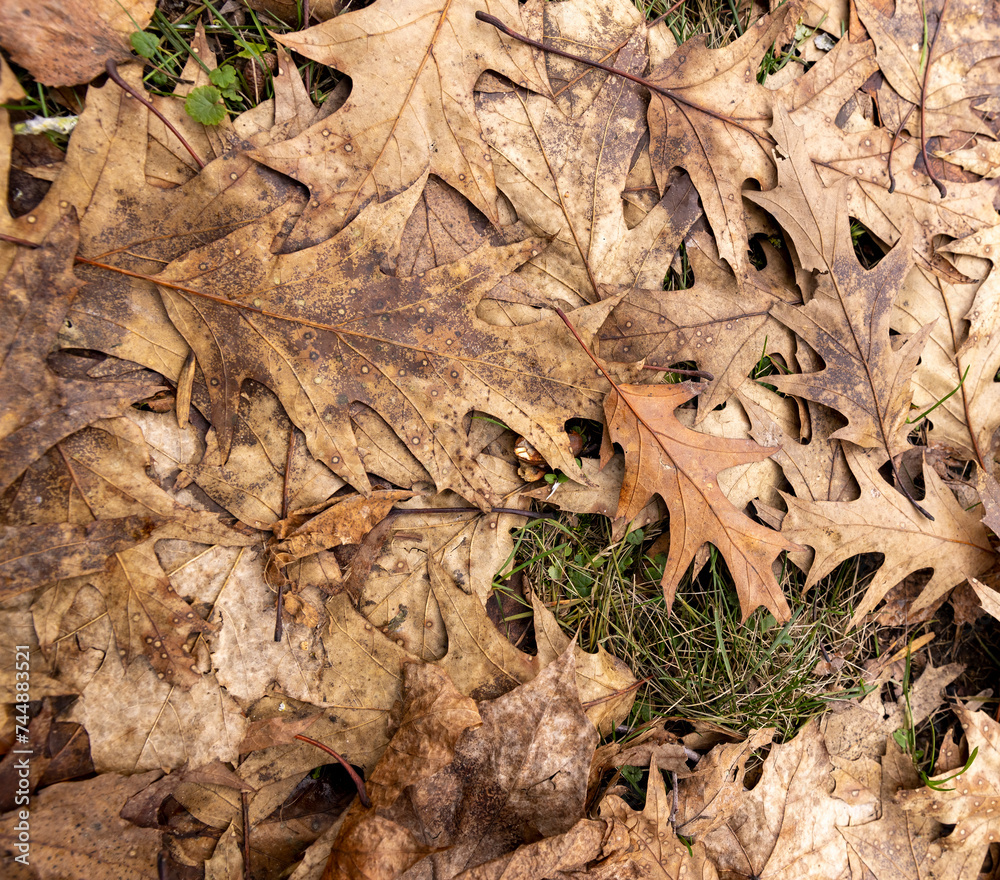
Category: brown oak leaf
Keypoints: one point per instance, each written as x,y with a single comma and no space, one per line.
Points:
682,466
324,327
413,67
847,321
946,77
711,121
881,520
38,407
567,176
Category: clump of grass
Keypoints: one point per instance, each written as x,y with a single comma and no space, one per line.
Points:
701,662
721,21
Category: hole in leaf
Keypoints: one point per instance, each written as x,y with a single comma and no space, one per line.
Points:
867,248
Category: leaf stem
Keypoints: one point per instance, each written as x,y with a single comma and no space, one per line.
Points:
514,35
357,780
112,69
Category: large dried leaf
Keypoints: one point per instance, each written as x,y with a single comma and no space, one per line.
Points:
324,327
39,407
950,80
103,469
847,320
723,326
156,725
65,43
711,119
881,520
76,829
682,466
520,775
413,66
567,175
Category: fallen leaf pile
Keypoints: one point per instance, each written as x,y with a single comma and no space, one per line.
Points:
258,413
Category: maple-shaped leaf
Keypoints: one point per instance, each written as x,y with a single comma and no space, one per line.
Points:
662,457
324,328
847,321
944,75
719,324
567,175
710,120
413,66
39,408
881,520
888,189
970,802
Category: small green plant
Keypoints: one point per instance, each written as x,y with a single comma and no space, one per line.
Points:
206,104
907,736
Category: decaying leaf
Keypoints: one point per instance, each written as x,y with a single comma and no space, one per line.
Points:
75,829
411,106
567,176
722,326
945,76
710,119
519,775
39,407
682,466
954,543
395,330
653,848
63,44
847,320
411,348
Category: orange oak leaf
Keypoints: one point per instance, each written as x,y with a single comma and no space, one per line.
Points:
662,457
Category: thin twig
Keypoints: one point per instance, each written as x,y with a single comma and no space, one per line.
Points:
112,69
653,87
279,624
694,374
923,101
358,781
245,806
892,147
659,18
